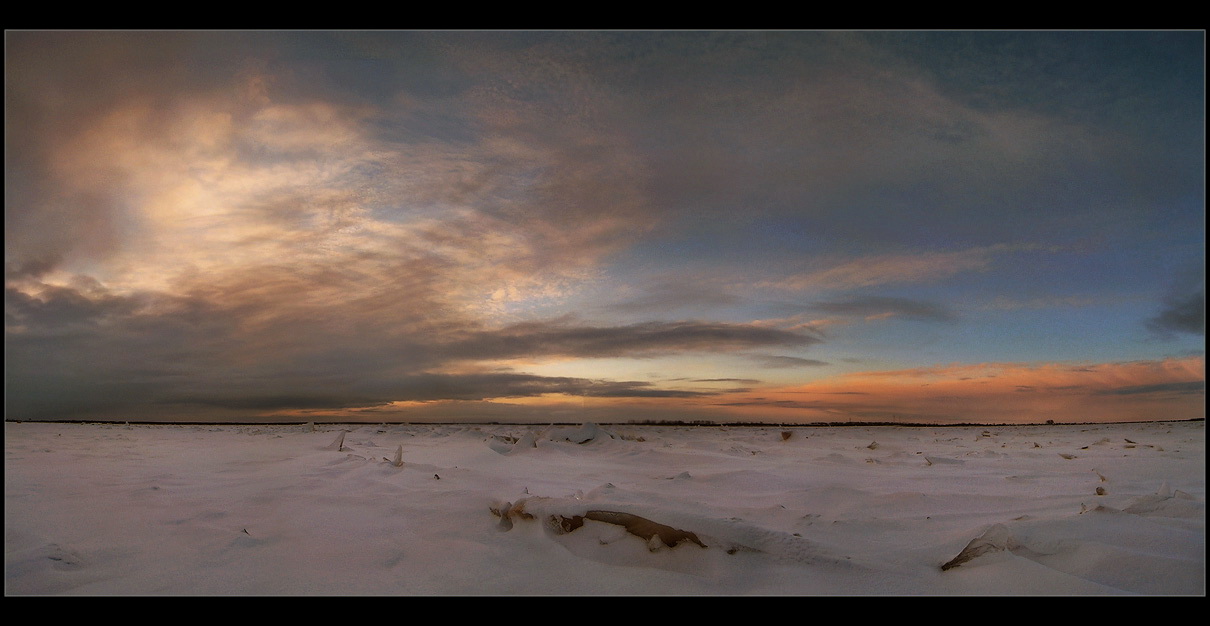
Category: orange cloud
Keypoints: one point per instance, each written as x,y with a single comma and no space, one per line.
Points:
997,392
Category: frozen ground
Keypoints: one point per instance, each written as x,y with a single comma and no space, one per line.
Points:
539,510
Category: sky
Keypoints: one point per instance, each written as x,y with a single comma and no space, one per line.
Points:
537,226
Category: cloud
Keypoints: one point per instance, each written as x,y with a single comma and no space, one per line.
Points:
237,346
642,339
873,308
1184,308
892,269
775,361
242,219
428,387
1182,314
59,310
992,392
1191,387
65,86
1005,303
255,168
669,295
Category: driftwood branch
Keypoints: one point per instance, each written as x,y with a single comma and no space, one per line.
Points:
635,525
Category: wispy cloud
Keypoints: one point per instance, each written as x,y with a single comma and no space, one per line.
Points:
671,295
1005,303
877,308
893,269
778,361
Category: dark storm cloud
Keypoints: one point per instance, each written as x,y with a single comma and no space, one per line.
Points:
435,387
428,387
872,306
70,349
69,352
643,339
60,309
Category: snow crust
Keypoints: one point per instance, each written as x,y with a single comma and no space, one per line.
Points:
106,509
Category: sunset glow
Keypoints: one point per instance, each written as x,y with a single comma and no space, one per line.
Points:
605,226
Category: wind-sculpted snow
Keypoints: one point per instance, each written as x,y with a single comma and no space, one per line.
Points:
110,509
1106,546
685,530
